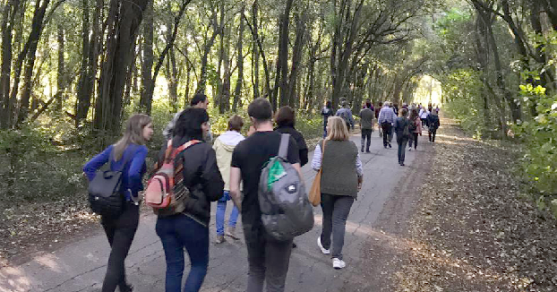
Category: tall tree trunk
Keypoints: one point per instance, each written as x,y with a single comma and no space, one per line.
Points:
225,94
32,44
123,23
217,28
8,19
240,63
255,51
62,77
173,79
296,59
147,82
282,63
91,47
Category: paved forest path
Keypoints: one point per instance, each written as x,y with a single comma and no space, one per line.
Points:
376,221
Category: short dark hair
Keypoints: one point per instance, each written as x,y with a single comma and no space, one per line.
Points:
189,123
235,123
260,109
404,112
285,116
328,104
368,104
200,97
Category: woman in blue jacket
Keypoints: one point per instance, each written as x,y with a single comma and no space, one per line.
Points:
128,154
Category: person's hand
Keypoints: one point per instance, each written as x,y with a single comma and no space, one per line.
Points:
360,182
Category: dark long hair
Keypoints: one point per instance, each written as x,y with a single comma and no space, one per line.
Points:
414,114
189,124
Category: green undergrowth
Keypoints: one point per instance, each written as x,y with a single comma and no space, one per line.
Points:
42,162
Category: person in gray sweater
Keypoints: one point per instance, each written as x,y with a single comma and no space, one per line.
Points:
341,179
366,125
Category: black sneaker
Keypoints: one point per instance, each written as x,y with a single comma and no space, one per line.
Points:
126,288
390,146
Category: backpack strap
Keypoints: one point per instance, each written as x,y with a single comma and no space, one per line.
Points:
283,149
172,152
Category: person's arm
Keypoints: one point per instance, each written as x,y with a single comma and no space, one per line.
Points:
381,116
316,161
135,171
235,180
167,132
209,138
213,185
304,156
97,162
419,125
360,171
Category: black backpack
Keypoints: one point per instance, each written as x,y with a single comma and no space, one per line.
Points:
105,197
412,126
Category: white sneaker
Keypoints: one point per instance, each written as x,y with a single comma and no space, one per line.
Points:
323,250
338,264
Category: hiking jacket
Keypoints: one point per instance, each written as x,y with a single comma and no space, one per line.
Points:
132,172
201,176
423,113
400,124
366,119
224,146
387,115
346,114
418,122
433,121
300,141
326,113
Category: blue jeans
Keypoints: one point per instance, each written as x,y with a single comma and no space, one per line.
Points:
221,210
176,233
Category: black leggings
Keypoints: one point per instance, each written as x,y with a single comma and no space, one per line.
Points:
413,138
120,233
432,134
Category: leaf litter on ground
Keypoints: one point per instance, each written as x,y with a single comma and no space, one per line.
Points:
474,229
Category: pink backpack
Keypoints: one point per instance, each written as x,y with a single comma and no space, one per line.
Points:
166,192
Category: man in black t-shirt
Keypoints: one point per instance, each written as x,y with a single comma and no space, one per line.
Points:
268,258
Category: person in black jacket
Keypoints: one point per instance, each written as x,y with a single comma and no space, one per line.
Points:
190,229
286,120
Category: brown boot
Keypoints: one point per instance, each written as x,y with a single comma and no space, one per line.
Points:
231,232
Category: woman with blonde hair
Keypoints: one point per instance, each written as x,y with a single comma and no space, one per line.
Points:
128,157
341,179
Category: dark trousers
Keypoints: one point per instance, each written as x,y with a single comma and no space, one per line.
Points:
432,133
335,214
120,233
268,259
424,122
176,233
401,149
325,129
366,134
387,133
413,138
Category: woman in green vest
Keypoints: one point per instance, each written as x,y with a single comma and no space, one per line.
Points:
341,179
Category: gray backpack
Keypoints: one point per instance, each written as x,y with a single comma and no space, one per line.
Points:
285,208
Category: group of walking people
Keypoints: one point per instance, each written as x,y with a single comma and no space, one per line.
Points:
407,123
227,169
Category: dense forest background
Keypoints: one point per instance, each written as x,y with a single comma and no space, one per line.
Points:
72,71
